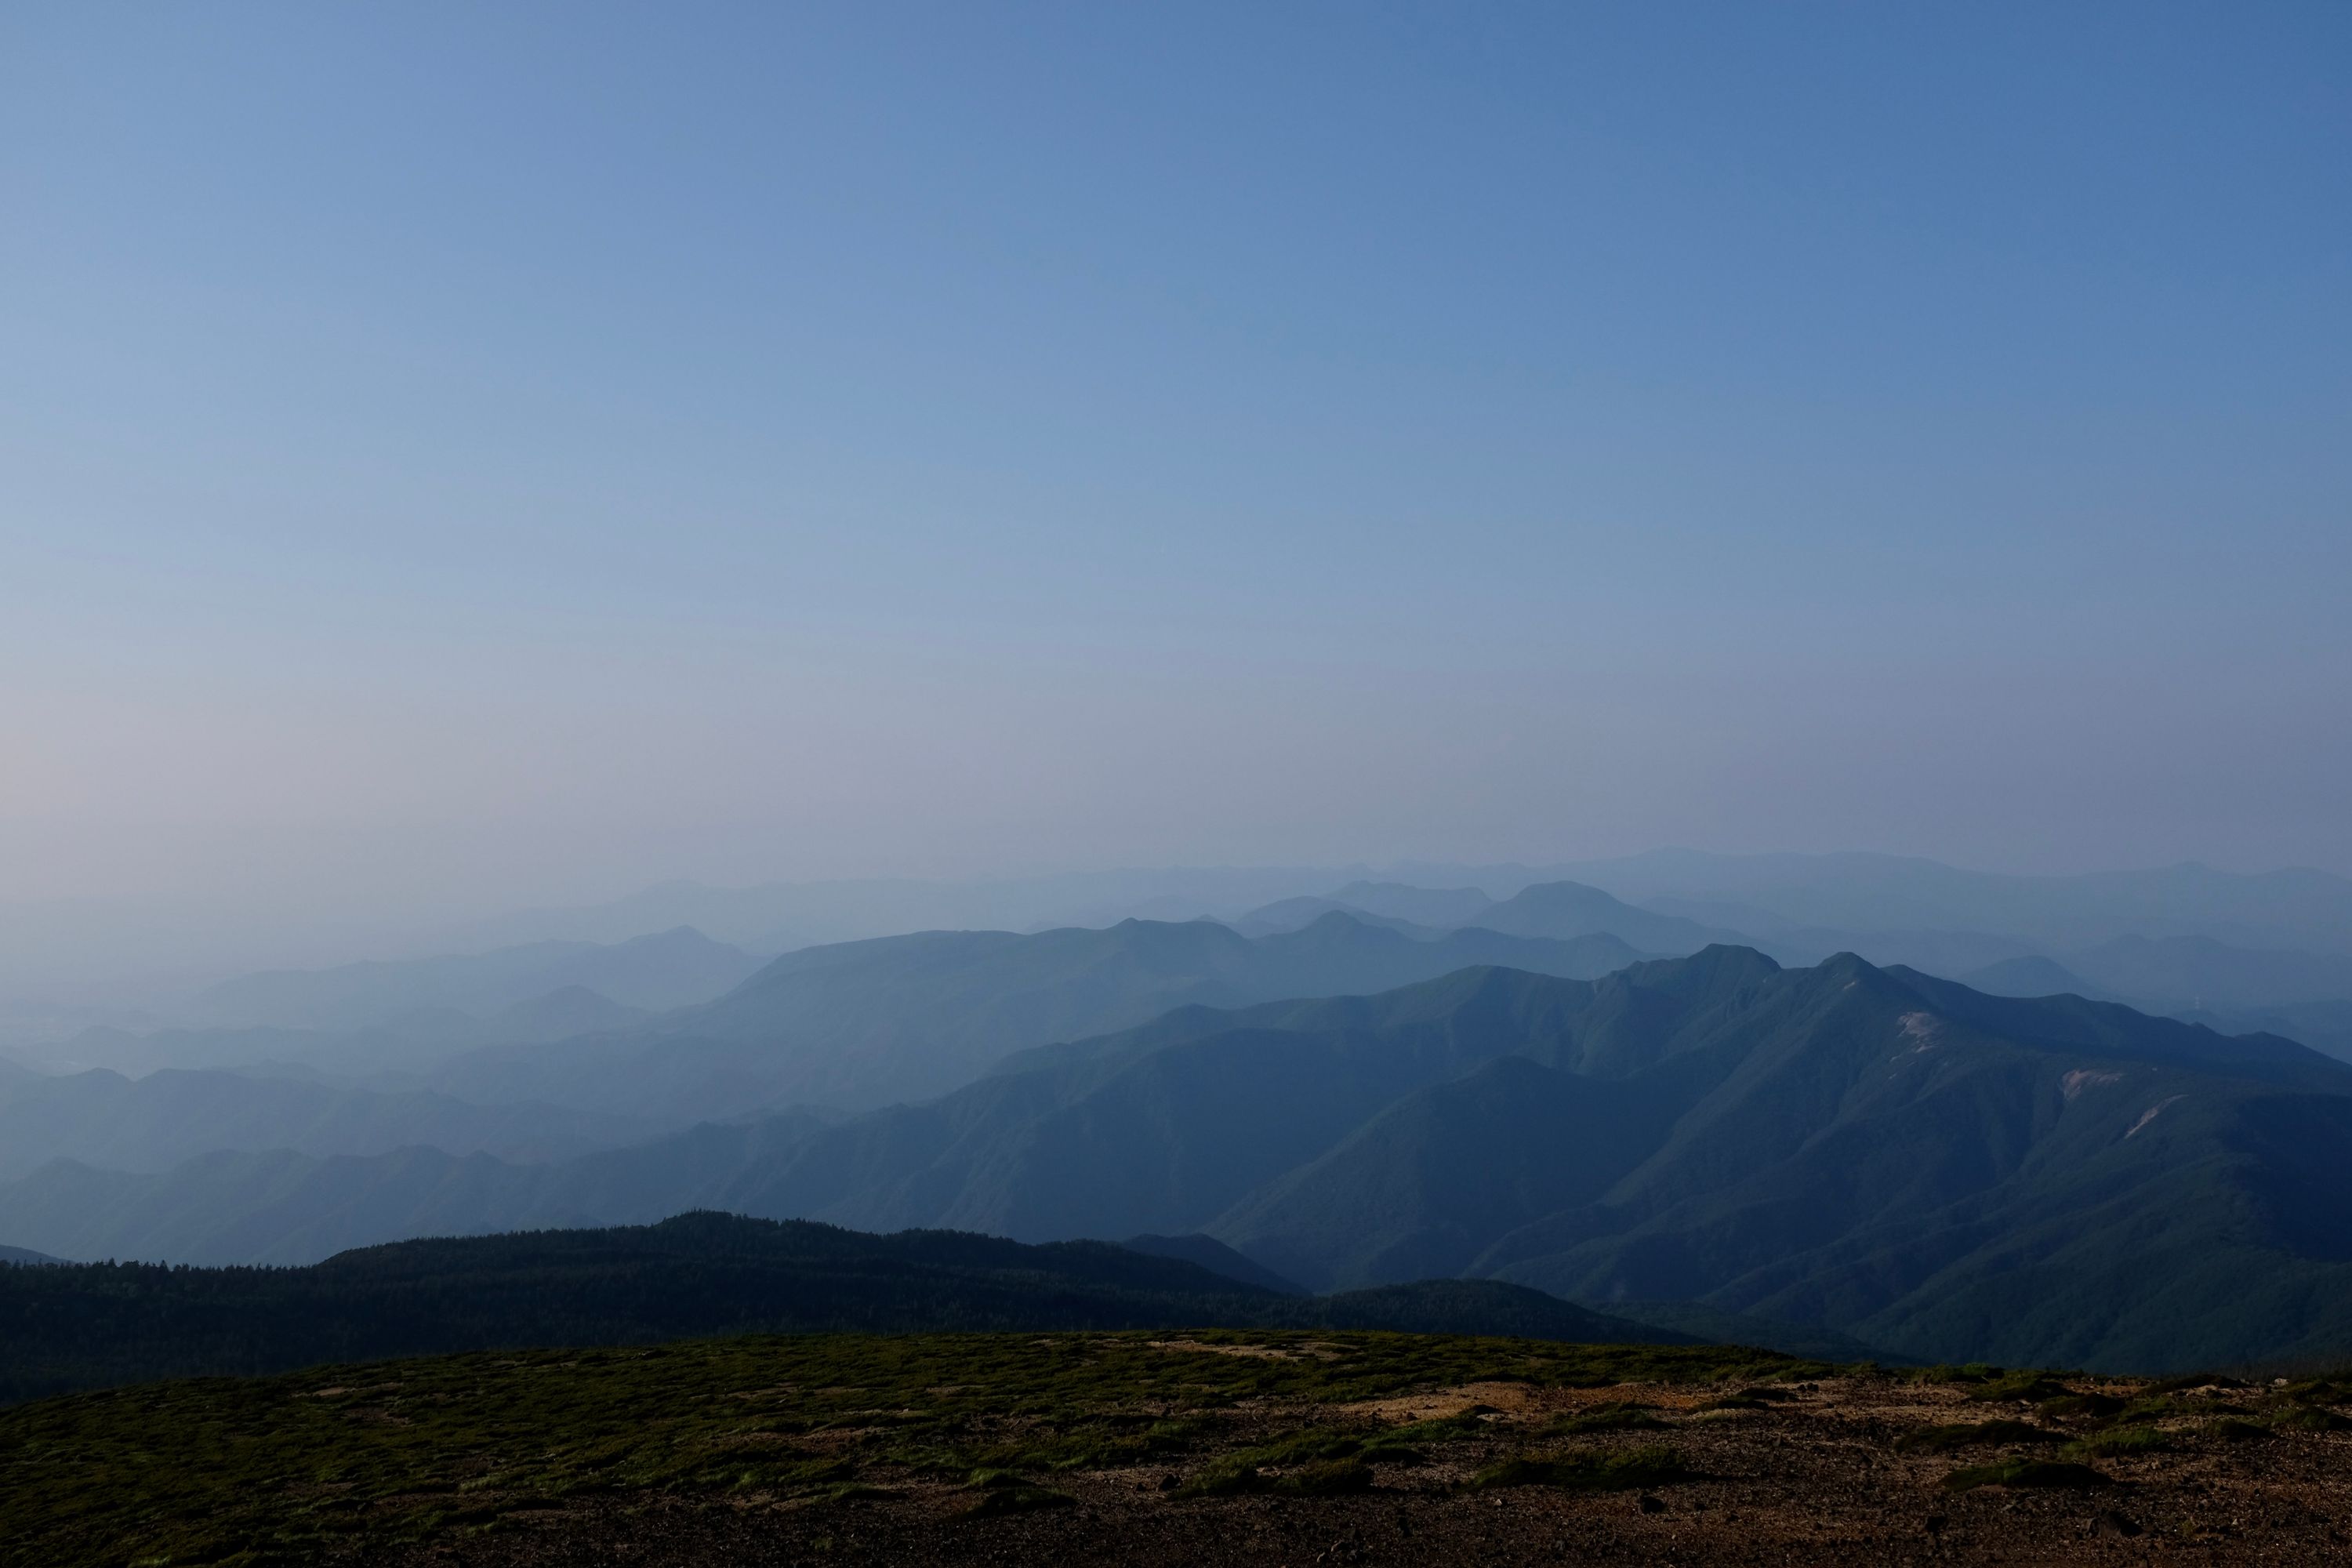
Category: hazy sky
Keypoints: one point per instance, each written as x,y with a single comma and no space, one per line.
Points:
470,456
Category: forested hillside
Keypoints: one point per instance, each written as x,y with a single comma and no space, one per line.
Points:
83,1325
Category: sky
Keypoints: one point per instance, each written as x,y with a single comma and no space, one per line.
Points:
456,457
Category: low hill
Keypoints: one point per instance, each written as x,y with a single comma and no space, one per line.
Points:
84,1325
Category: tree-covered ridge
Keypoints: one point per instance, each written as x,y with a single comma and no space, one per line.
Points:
83,1325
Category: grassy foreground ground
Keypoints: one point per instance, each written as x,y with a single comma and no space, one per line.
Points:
1230,1447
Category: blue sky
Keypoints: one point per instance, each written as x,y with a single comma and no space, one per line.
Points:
464,456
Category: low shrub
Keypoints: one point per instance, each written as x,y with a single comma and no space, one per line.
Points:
1965,1434
2025,1473
2123,1440
2031,1387
1237,1475
2182,1385
1624,1469
1754,1397
1615,1416
996,1502
1326,1478
2310,1418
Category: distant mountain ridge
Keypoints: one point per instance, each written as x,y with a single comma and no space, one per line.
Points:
2294,908
1565,910
670,969
776,917
2178,973
863,1024
154,1123
1556,911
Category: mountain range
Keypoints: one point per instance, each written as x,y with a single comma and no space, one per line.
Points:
1873,1151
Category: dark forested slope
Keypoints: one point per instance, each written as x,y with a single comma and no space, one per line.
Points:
82,1325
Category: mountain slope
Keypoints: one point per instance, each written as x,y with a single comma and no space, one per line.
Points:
1216,1256
1418,1189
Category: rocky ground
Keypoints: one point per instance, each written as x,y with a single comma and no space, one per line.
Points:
1846,1469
